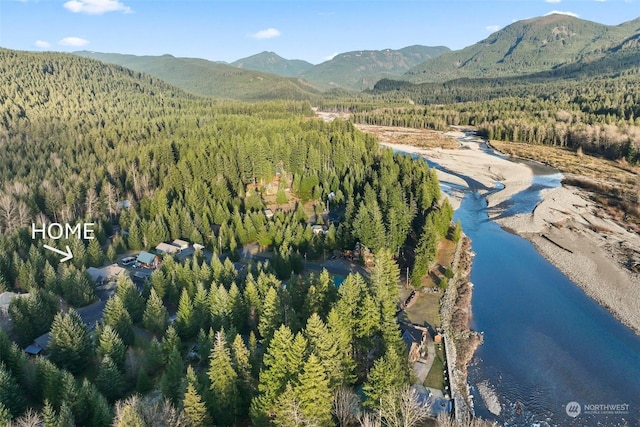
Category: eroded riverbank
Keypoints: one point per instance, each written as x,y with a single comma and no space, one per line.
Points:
455,309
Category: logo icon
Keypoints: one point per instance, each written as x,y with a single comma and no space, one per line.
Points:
573,409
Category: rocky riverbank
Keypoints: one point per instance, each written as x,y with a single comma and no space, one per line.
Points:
456,316
567,227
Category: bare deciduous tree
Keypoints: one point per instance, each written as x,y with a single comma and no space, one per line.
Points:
369,420
24,214
8,213
29,419
446,420
402,408
91,202
156,414
346,406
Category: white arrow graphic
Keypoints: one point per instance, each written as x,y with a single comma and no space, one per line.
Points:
67,255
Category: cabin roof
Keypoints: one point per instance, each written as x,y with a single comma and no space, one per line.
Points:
146,257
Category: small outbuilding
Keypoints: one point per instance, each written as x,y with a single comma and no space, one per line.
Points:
33,350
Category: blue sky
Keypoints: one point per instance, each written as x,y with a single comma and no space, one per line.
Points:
310,30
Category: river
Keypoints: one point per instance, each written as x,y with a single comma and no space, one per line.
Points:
546,343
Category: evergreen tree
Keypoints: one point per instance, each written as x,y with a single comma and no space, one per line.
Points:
369,314
272,315
388,373
5,415
110,345
240,357
49,379
131,298
11,395
170,342
70,346
236,317
282,363
49,416
101,413
110,381
195,410
159,283
155,315
185,324
95,256
253,302
134,238
425,252
172,378
223,383
340,333
111,253
153,356
313,393
281,196
200,308
91,407
117,316
326,348
65,416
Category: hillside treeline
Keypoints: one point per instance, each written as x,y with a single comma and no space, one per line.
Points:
81,141
600,115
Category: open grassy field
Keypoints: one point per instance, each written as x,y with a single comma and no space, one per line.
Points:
435,377
422,138
426,309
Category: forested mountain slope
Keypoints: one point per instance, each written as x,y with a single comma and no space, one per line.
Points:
361,69
530,46
78,137
214,79
270,62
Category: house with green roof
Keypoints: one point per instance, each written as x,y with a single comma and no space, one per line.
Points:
148,260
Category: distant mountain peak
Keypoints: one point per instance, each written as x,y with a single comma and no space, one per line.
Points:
361,69
271,62
527,46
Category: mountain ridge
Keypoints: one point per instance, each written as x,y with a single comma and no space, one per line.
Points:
271,62
208,78
525,47
361,69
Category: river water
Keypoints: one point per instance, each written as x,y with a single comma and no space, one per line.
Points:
546,343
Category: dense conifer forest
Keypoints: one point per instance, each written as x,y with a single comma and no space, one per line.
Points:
81,141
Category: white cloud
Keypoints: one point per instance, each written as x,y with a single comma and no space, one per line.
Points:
42,44
553,1
492,28
560,12
329,57
73,41
96,7
269,33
